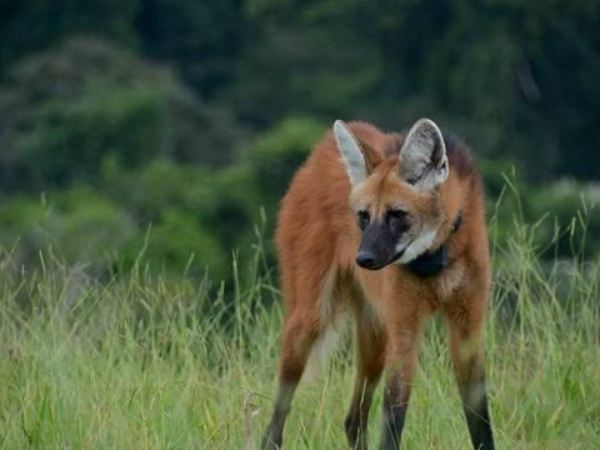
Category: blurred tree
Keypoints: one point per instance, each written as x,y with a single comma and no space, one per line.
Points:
79,225
296,64
154,188
178,243
33,25
514,77
72,140
274,157
225,208
67,110
270,163
201,38
517,79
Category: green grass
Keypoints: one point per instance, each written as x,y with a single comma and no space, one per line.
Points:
147,362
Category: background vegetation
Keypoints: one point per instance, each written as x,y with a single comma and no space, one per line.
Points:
144,145
173,127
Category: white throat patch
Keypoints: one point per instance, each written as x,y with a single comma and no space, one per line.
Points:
418,246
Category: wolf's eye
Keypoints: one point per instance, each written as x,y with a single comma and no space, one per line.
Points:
396,214
363,219
397,220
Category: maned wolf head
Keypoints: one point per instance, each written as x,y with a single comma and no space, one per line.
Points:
396,200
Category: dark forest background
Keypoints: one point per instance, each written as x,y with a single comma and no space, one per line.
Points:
169,129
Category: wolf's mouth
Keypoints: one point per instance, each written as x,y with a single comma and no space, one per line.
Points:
395,258
399,254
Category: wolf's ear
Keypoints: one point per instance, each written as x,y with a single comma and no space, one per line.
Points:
359,159
423,161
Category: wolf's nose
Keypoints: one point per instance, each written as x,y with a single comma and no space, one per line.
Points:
365,259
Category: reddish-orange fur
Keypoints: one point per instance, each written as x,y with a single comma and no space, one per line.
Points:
317,238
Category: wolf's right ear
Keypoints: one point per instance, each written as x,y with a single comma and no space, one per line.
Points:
352,152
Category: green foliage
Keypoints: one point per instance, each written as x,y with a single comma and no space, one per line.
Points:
158,186
26,27
70,109
73,140
224,206
78,225
217,202
201,38
516,78
573,208
562,216
180,207
179,244
275,157
195,115
261,179
302,73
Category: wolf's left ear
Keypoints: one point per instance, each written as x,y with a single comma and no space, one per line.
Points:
358,159
423,161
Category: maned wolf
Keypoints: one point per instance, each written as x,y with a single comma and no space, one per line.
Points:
389,228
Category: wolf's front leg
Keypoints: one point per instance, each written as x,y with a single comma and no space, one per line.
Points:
401,364
466,348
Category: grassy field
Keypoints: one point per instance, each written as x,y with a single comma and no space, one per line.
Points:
144,362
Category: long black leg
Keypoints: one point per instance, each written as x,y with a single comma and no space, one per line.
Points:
394,415
274,435
466,348
475,405
401,367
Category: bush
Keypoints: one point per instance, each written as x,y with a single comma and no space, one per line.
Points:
73,140
67,110
185,210
275,156
572,207
79,225
563,214
179,244
225,204
159,186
